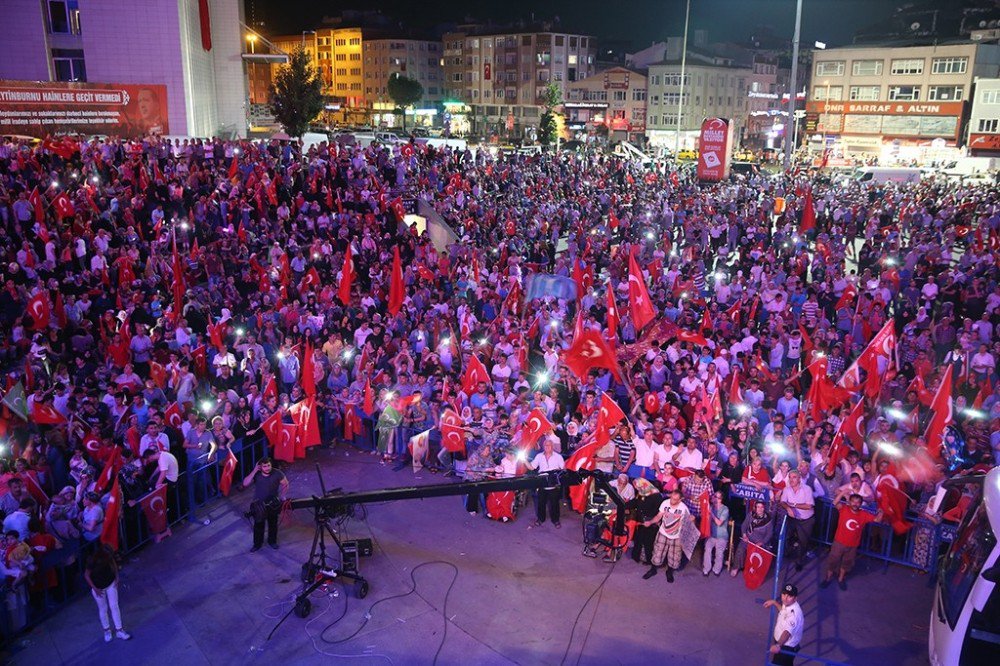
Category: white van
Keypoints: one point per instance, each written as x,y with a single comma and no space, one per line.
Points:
882,175
313,139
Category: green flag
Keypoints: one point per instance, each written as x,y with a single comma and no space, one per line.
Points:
16,401
388,421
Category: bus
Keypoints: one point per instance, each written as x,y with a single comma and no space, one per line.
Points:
965,619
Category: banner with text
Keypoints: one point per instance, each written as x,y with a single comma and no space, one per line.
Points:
748,491
122,109
714,148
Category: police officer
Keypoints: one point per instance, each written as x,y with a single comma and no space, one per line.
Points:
788,627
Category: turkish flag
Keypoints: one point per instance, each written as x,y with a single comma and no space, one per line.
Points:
177,285
735,392
475,374
705,511
234,168
397,290
304,415
352,423
985,389
838,450
452,431
154,505
582,459
369,400
756,565
64,207
808,214
310,279
608,417
158,374
613,318
846,298
38,308
853,426
308,370
173,415
284,449
893,503
215,333
346,277
110,470
109,532
640,304
37,202
228,469
92,444
271,390
941,415
200,361
45,414
807,342
706,321
590,350
536,426
688,336
425,273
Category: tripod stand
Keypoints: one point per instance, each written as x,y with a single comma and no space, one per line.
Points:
319,569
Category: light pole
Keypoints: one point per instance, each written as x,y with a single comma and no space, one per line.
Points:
794,83
680,97
253,41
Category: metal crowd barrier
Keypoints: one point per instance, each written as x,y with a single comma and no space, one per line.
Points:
28,604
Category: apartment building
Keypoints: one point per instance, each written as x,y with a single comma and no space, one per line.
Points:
984,120
896,102
500,77
614,99
417,59
337,54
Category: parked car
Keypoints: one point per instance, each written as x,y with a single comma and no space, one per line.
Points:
687,154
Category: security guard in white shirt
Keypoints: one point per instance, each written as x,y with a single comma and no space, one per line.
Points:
788,627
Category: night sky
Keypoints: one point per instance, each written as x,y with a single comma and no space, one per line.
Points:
641,21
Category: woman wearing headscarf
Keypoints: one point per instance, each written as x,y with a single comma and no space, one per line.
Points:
757,528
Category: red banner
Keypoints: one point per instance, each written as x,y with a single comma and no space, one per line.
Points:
714,149
984,142
121,109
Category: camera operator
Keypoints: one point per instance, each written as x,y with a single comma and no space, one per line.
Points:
269,489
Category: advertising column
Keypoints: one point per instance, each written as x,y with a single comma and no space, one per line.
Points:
714,149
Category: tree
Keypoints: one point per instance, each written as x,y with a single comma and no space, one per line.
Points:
405,92
548,127
297,94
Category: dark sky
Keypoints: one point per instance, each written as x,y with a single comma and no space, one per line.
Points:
640,21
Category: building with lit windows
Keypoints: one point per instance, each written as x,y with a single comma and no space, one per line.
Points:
611,103
898,103
413,58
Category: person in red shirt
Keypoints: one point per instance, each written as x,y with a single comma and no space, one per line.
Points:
850,524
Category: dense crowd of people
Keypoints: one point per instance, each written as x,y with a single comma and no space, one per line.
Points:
165,303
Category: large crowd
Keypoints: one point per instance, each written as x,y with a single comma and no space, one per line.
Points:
165,303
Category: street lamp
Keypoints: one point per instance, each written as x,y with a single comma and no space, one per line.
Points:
794,83
252,39
680,97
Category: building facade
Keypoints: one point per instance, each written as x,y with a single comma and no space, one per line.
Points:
709,91
497,79
984,119
417,59
611,102
896,103
198,58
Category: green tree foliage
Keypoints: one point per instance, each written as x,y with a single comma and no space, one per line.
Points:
297,94
404,92
547,129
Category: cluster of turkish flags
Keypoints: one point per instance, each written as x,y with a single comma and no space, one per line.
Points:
291,439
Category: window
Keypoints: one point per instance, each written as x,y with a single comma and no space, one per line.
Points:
64,17
525,40
355,71
341,57
675,79
822,93
69,65
619,96
356,86
571,59
355,41
340,42
991,97
904,93
560,40
907,66
830,68
949,65
945,93
864,93
654,120
638,113
341,71
341,86
638,95
499,93
654,100
988,125
557,75
355,57
654,80
867,68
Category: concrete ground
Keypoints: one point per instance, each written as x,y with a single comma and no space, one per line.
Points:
521,596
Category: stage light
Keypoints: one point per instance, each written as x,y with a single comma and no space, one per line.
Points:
522,455
742,409
649,235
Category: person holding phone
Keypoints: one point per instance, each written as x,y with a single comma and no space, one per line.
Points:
269,488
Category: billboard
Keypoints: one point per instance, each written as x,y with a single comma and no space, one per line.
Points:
123,109
714,148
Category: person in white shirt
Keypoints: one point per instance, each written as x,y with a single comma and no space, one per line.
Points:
667,547
788,627
797,501
645,453
689,458
546,461
153,439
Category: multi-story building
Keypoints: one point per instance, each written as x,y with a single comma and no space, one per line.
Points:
417,59
614,99
336,53
984,120
184,50
709,90
895,102
499,78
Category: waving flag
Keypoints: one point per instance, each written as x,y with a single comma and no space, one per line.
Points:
397,290
346,277
613,318
475,374
452,431
640,305
38,308
536,426
941,415
756,565
109,532
590,350
228,469
154,505
582,459
607,418
808,214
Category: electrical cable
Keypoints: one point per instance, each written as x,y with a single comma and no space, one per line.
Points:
579,614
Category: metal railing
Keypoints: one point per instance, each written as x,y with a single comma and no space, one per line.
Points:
59,578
